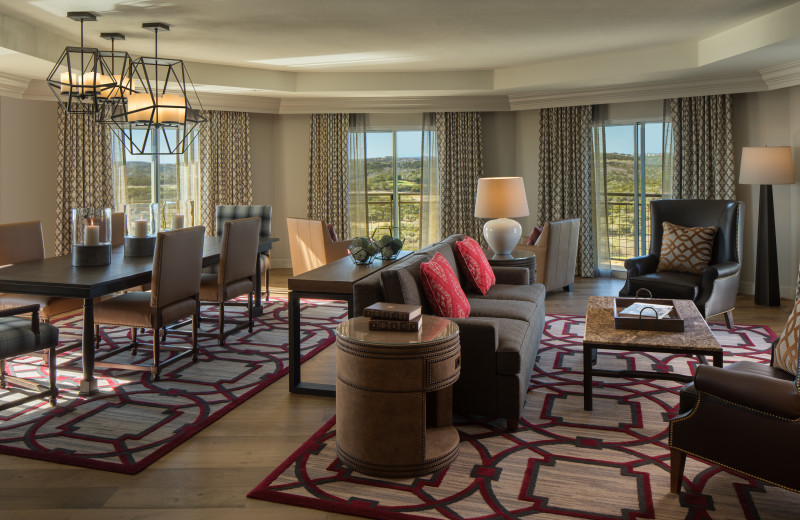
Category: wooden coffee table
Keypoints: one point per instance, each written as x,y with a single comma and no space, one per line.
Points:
599,333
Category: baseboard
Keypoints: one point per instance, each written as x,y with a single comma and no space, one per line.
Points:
277,263
787,290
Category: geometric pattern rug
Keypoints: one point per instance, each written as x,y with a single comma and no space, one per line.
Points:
563,462
132,420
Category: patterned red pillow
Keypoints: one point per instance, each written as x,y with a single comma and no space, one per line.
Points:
332,232
474,264
441,286
534,236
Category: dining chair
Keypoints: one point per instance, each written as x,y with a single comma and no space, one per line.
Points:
174,295
226,212
236,272
21,337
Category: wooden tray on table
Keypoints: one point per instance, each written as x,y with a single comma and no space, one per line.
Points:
646,319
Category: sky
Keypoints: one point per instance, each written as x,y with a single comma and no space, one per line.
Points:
619,139
409,144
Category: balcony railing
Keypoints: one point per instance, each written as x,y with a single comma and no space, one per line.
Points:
622,235
379,215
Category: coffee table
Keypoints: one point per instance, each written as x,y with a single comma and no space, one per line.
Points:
599,333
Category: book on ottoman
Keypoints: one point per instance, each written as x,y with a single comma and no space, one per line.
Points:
411,325
392,311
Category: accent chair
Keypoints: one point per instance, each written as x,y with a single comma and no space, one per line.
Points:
311,245
556,254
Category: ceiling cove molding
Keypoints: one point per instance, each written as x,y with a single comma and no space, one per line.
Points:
395,104
13,86
781,76
240,103
639,92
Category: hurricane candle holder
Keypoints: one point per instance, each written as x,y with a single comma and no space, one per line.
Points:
177,214
140,237
91,237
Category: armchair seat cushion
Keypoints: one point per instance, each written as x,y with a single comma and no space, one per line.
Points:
49,306
683,286
133,310
209,284
17,338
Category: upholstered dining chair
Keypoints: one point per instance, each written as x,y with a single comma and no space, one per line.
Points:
225,213
23,336
236,272
23,242
174,295
712,286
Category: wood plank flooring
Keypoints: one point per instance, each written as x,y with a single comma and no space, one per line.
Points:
208,476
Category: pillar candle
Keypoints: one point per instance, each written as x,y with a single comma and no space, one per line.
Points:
91,235
140,228
177,222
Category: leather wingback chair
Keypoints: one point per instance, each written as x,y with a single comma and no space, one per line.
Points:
746,417
714,290
311,245
236,273
226,212
23,242
175,294
556,254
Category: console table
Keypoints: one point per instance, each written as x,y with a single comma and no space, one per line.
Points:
394,402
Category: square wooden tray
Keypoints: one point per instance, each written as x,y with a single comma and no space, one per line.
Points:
672,322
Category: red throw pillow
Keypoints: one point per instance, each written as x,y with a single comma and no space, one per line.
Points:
332,232
441,286
535,235
474,264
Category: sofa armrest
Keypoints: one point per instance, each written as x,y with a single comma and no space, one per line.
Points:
760,393
512,275
642,264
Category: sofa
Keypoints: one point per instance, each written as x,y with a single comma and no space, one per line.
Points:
499,339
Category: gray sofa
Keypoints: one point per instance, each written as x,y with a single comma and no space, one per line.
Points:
499,340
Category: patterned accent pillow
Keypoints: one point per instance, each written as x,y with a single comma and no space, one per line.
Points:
785,354
332,232
534,236
441,286
472,261
686,249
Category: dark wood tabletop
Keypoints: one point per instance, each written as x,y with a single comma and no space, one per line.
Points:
339,276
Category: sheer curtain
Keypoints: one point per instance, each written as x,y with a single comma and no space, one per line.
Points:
600,209
357,176
430,214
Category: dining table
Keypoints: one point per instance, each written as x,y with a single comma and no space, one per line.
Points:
56,276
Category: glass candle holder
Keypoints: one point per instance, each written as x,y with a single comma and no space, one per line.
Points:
177,214
142,219
91,236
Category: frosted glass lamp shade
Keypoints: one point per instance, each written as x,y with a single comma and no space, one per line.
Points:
766,165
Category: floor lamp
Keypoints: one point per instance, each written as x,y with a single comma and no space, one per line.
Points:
766,166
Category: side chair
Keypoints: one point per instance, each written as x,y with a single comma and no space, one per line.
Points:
226,212
174,295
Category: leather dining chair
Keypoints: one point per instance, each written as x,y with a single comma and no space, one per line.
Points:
236,272
23,242
174,295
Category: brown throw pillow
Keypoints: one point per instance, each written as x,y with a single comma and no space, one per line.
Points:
686,249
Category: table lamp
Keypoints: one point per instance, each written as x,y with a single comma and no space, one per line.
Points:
766,166
501,199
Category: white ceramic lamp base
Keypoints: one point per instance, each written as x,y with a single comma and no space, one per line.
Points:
502,235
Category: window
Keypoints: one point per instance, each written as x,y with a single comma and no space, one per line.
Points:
163,179
630,169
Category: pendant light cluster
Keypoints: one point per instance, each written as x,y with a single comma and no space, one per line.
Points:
150,100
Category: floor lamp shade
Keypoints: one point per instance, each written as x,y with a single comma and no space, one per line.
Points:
501,199
766,166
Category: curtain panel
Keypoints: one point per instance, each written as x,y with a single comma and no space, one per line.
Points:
565,175
459,147
357,176
328,171
226,176
702,134
83,172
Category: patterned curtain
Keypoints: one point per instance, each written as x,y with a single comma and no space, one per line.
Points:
460,164
702,148
226,177
327,171
83,176
565,174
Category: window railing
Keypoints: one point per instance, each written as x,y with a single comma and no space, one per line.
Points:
379,204
621,212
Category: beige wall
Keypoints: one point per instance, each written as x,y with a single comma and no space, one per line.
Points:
28,147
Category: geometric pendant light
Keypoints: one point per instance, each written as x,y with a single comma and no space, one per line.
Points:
162,106
79,74
112,100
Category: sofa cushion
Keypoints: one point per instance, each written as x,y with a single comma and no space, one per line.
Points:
525,293
488,308
474,265
784,356
442,288
685,249
400,281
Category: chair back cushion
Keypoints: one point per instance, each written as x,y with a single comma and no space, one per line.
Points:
307,239
473,263
443,289
177,263
233,212
239,247
685,249
21,242
784,354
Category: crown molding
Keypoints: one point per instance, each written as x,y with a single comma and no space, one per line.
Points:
13,86
781,76
395,104
639,92
240,103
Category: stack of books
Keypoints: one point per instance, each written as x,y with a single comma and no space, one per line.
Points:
396,317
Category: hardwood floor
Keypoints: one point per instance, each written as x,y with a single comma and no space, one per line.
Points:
209,476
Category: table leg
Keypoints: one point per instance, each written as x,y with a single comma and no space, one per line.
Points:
717,360
294,341
258,309
587,377
89,383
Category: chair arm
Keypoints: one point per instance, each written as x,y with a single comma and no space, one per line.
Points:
720,270
15,311
762,394
640,265
512,275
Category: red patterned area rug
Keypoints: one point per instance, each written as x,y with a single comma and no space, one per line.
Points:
563,462
133,421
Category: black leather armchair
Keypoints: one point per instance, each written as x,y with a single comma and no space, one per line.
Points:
714,290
